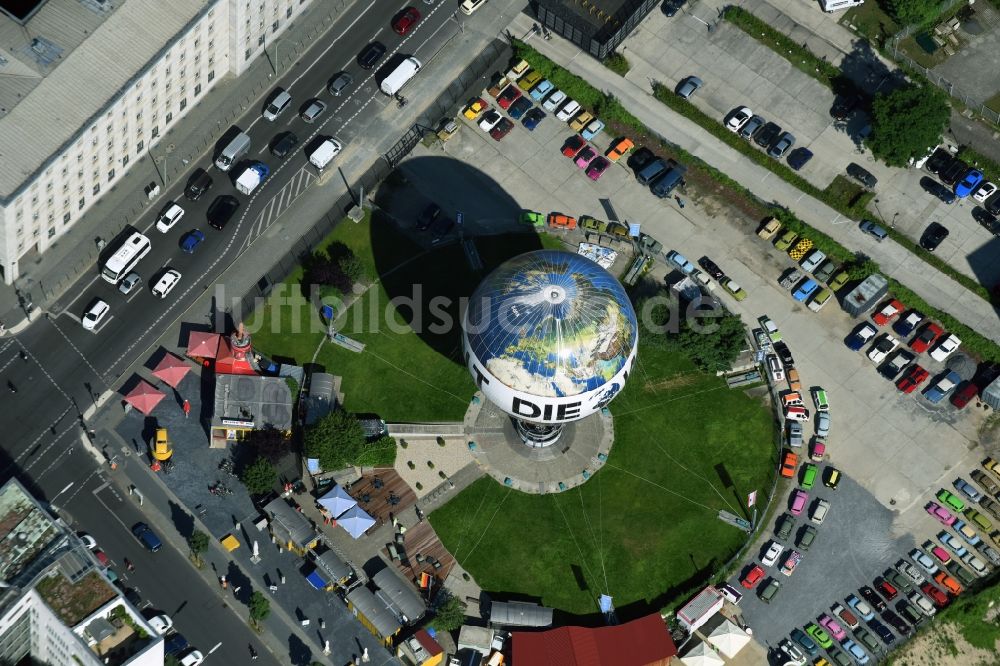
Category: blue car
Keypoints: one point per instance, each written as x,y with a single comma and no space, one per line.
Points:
798,158
532,118
521,106
805,290
142,532
861,336
539,92
969,183
191,240
936,392
593,129
855,650
175,644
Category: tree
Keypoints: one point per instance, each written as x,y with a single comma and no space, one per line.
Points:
913,12
907,122
712,342
337,439
260,608
449,614
198,544
270,443
259,477
353,269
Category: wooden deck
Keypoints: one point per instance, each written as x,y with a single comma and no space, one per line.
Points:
375,500
422,540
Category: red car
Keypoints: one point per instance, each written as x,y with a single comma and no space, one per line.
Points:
102,558
573,145
939,598
888,312
962,397
405,20
502,129
508,96
753,577
886,589
913,378
926,338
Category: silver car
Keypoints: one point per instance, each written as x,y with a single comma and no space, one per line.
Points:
313,110
823,424
129,283
688,87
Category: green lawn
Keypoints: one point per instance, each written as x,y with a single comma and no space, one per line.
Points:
411,369
644,526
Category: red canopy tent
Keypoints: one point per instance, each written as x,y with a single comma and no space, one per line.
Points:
144,397
232,362
171,370
203,345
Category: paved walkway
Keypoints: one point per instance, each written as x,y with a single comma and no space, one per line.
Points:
634,91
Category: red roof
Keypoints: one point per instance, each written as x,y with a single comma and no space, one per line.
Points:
637,643
428,643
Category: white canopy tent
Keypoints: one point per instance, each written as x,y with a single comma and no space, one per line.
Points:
702,654
728,639
356,521
337,501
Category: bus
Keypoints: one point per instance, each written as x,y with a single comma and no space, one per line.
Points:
126,258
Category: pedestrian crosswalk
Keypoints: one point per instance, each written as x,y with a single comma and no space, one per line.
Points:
278,204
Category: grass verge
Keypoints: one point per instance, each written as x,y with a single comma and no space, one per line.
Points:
629,530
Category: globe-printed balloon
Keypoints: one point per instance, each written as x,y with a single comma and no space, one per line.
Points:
550,337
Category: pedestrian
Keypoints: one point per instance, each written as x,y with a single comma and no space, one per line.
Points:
680,202
253,653
187,408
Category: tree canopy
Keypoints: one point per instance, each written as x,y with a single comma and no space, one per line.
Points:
259,477
913,12
449,614
338,440
712,342
907,122
260,607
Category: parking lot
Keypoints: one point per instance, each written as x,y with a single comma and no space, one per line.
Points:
894,449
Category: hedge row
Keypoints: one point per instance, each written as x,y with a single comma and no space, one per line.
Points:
617,63
611,110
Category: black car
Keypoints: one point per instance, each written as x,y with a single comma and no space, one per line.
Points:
898,623
221,210
371,54
872,598
132,596
175,644
711,268
954,172
441,228
285,144
891,368
199,183
992,204
939,160
910,612
799,157
767,134
845,105
671,7
862,175
882,631
640,158
988,221
932,236
427,217
784,353
931,186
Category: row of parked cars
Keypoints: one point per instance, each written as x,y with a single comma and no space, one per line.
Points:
805,288
775,141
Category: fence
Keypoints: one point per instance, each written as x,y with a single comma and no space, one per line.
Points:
469,82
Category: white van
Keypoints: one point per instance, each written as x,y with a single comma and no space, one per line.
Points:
277,105
325,153
405,71
469,6
236,149
837,5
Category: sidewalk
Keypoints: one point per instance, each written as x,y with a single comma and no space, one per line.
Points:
635,94
181,150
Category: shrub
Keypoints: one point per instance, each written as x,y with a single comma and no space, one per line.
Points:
617,63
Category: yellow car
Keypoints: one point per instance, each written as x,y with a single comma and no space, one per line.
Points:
529,80
581,121
474,108
786,240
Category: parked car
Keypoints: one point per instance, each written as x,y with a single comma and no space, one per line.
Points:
678,260
862,175
935,188
751,127
882,348
95,314
568,110
907,324
845,104
860,607
946,348
892,367
771,555
521,106
961,398
554,101
913,378
738,118
928,335
767,134
812,261
889,311
619,148
532,119
861,336
969,183
805,290
872,598
543,88
939,513
933,236
799,157
823,424
782,145
688,86
937,391
752,577
371,54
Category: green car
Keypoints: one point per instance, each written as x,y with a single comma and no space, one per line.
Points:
786,240
838,281
738,292
809,476
806,538
532,218
593,224
979,519
950,499
819,635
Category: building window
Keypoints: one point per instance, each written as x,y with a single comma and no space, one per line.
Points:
138,147
111,175
169,116
156,132
274,27
288,13
97,189
211,74
65,171
260,40
124,160
52,232
82,203
66,218
246,54
138,116
184,103
197,89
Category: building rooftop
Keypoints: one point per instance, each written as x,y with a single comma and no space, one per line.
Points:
380,617
26,530
398,595
595,16
65,64
74,602
636,643
267,401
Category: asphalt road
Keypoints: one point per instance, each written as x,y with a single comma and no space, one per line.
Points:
67,367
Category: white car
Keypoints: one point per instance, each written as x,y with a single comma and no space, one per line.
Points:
923,603
166,283
819,511
570,109
976,564
554,101
192,658
774,367
170,216
984,192
910,571
773,553
489,120
93,317
161,624
793,653
946,347
739,118
882,348
924,560
88,541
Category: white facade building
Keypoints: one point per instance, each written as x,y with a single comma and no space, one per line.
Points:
90,86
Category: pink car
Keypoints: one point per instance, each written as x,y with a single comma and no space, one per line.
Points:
832,627
584,157
939,512
943,556
598,167
799,499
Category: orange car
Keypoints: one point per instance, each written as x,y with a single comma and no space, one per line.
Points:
947,582
788,464
619,149
560,221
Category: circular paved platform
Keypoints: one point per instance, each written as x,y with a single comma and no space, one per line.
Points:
494,443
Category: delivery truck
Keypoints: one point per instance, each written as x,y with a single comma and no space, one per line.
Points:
405,71
252,176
